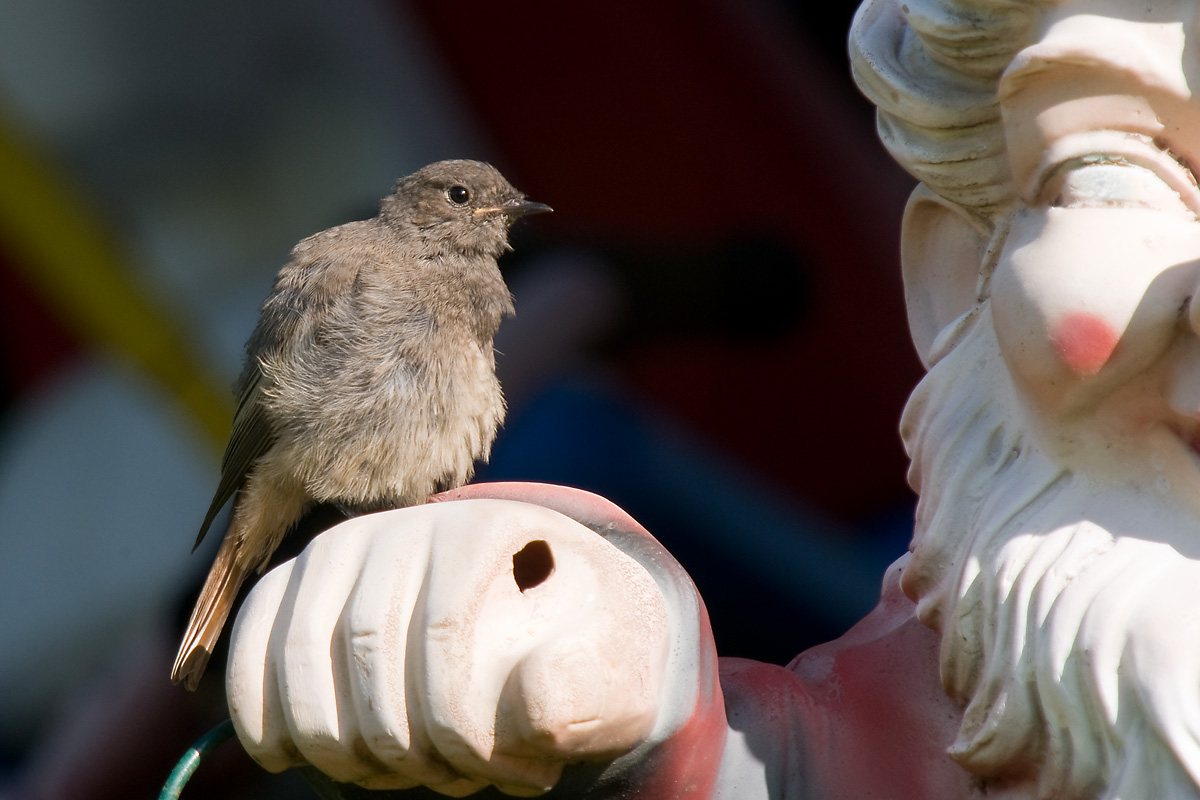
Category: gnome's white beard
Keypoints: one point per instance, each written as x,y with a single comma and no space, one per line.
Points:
1071,638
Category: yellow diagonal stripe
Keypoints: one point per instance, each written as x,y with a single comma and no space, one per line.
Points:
68,257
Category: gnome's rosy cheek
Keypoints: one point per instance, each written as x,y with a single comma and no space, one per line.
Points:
1085,299
1083,342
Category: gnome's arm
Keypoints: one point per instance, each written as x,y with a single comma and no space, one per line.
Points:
536,639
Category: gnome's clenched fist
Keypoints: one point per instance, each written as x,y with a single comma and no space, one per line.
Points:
453,645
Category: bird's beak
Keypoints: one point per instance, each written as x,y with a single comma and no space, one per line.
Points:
516,208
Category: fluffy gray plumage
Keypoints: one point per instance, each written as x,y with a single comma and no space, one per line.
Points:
370,377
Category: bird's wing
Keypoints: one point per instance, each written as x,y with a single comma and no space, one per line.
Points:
251,437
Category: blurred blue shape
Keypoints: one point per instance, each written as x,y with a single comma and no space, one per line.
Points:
775,575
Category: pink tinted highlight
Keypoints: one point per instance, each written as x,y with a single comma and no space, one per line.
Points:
1084,342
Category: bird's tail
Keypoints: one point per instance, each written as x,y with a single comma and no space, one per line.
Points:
208,617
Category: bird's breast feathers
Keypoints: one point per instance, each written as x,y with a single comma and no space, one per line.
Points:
397,426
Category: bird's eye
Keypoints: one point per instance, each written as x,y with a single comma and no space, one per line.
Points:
458,195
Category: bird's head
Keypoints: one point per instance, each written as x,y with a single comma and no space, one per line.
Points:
466,205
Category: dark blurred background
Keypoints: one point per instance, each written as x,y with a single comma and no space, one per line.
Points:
710,327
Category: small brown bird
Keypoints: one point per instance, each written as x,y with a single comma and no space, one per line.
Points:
370,377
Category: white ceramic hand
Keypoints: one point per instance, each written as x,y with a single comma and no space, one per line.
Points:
452,645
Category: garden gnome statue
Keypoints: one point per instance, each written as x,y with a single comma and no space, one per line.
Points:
1042,638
